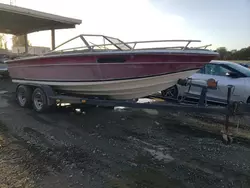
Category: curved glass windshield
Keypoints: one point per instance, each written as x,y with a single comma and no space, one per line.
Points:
240,68
92,42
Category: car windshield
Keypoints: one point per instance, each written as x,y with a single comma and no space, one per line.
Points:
240,68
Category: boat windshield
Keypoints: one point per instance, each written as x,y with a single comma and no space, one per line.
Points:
92,43
120,44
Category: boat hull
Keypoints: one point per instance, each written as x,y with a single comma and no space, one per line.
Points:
126,75
117,89
105,67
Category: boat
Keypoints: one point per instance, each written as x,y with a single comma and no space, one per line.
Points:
99,65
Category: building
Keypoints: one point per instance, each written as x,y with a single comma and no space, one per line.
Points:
22,21
34,50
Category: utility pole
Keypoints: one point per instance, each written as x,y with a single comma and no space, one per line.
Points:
12,2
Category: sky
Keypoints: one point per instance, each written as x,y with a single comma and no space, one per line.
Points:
218,22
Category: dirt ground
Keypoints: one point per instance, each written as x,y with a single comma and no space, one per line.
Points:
113,149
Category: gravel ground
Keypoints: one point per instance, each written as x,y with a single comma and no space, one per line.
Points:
113,149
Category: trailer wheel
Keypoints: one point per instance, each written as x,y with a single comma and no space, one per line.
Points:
23,95
171,92
39,100
248,100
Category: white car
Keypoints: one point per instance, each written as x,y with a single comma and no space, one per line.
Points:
225,73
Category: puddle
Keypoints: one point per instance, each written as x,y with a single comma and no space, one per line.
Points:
159,155
151,111
138,141
120,108
144,175
142,100
157,151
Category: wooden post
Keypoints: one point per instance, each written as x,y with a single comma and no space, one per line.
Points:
26,43
53,45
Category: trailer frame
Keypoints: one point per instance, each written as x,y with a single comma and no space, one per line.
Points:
49,97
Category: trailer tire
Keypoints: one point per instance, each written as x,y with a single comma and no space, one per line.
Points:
24,95
39,100
248,100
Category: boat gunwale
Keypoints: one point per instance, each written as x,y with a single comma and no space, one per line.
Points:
118,53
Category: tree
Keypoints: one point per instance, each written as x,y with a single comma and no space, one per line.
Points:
222,51
19,41
242,54
3,42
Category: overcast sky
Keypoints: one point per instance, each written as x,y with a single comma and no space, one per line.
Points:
220,22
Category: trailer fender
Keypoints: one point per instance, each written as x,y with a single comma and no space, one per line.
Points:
49,93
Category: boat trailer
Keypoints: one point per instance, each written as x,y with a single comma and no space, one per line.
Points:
43,97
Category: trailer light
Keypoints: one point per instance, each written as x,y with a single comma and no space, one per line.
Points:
211,83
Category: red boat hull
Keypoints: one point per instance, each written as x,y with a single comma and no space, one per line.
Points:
104,67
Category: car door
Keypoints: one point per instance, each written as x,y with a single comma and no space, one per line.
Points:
209,71
238,85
